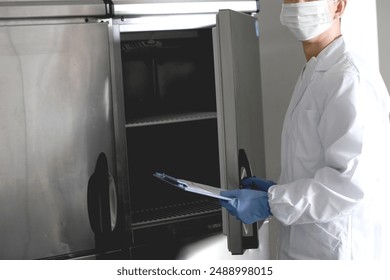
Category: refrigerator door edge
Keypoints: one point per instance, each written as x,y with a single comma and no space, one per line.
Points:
238,83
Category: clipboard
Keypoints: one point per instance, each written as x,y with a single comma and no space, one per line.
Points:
193,187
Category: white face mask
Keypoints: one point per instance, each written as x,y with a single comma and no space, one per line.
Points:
307,20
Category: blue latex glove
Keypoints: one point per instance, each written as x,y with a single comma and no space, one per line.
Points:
249,206
255,183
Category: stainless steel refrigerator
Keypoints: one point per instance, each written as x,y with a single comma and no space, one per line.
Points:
76,161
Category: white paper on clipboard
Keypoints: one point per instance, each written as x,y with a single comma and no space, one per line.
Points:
193,187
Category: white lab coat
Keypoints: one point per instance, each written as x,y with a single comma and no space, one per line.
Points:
332,196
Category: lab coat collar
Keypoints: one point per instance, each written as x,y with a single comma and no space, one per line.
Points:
331,54
323,62
309,69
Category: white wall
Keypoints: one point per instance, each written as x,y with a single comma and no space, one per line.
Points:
359,27
383,10
281,59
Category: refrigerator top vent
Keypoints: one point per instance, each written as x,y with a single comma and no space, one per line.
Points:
171,7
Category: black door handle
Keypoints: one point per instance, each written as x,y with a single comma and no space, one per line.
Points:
250,238
99,197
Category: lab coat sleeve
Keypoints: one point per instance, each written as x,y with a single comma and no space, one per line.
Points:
336,188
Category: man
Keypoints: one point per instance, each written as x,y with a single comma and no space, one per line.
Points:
331,196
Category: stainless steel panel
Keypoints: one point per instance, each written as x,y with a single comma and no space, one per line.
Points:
55,120
239,105
158,7
50,8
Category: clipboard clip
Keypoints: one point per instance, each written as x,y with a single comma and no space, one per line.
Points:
191,186
171,180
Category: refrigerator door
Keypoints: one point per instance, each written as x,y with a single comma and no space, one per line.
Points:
56,132
239,108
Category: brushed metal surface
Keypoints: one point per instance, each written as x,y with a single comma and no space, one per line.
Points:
55,119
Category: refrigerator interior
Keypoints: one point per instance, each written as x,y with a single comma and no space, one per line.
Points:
171,124
168,72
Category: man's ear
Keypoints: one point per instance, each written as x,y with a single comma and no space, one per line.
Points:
341,8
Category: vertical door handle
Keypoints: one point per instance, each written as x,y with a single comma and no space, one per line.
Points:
250,238
113,201
102,198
